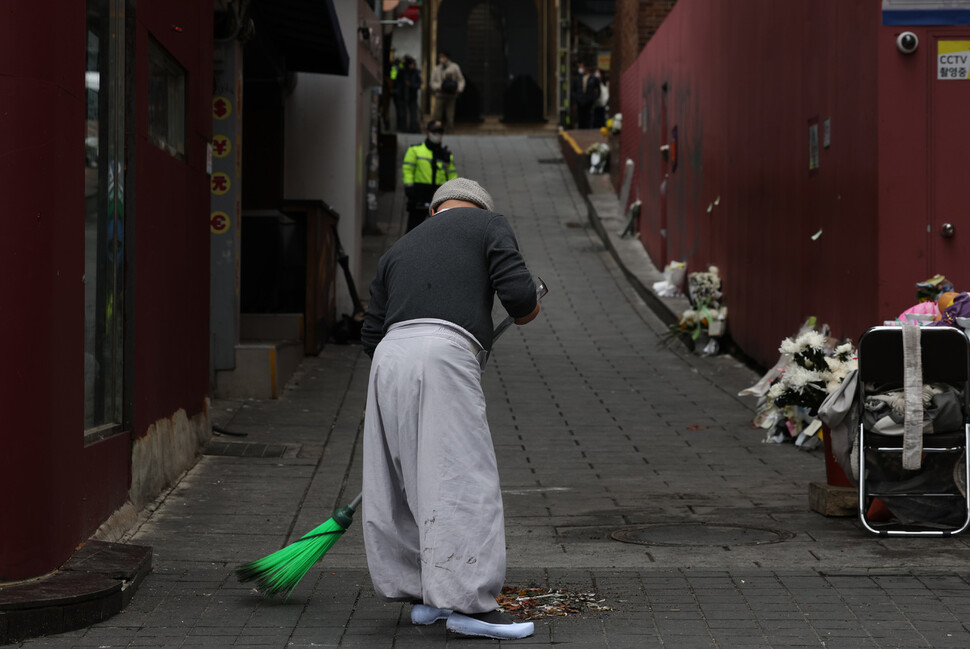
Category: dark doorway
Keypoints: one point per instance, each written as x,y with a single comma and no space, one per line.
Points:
487,66
493,41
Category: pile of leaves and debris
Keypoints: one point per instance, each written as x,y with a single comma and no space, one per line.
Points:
536,602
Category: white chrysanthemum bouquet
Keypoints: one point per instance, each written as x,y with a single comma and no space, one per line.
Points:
815,370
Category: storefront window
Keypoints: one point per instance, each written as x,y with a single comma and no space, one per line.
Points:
104,82
166,101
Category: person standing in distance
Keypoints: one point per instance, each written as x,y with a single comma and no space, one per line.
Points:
447,82
411,86
588,88
427,166
433,521
397,94
602,102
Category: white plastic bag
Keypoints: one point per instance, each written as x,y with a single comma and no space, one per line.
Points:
673,284
675,273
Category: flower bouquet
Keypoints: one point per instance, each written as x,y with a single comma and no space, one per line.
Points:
704,289
694,322
815,371
812,366
706,315
599,157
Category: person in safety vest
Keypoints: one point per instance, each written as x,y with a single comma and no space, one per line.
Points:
405,86
397,94
427,166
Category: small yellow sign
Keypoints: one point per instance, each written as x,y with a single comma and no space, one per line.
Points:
218,223
221,146
221,107
953,60
220,183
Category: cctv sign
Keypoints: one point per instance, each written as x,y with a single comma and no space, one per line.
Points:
953,60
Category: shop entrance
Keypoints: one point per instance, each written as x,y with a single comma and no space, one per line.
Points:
495,43
487,64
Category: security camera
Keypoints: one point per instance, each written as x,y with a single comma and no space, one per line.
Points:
907,42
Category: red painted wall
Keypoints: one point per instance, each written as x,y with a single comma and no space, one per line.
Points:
172,227
744,80
924,140
54,492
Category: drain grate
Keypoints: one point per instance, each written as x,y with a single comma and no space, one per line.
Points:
244,449
551,161
699,534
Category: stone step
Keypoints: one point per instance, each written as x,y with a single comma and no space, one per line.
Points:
270,327
95,584
261,372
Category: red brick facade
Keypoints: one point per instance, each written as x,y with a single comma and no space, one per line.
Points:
652,14
635,22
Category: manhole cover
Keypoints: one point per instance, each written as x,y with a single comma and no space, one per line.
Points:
699,534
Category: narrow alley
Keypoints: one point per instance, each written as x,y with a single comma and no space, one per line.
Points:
630,471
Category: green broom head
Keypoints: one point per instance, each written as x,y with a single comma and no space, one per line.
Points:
280,572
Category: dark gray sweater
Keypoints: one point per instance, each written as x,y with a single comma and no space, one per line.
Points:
450,267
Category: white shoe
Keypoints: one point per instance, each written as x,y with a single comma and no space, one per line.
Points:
424,614
494,624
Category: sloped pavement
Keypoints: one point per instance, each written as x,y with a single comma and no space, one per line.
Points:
603,435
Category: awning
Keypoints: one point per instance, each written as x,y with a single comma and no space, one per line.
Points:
595,14
596,22
306,32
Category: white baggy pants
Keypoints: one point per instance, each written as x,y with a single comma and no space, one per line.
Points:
432,515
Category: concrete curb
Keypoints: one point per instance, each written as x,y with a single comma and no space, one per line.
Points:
95,584
607,219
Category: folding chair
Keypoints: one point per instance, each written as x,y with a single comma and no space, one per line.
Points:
932,500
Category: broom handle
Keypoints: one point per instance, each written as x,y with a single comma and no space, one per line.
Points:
541,290
355,503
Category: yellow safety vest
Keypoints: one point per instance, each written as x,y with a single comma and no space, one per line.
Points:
418,168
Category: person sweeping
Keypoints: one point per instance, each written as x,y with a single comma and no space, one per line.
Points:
432,516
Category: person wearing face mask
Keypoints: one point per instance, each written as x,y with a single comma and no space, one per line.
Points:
427,166
602,101
586,91
576,92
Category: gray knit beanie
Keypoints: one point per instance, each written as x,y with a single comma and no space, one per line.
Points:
462,189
